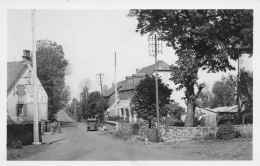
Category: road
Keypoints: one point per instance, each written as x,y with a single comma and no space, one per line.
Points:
75,143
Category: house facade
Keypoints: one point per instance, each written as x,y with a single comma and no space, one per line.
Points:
126,90
20,92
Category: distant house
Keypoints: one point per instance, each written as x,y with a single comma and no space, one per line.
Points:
127,87
20,92
110,96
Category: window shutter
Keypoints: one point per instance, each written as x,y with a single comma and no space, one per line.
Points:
25,110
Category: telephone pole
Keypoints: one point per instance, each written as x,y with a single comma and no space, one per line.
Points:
115,87
100,77
154,43
35,85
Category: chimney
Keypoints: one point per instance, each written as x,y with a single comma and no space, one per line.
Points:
137,70
26,55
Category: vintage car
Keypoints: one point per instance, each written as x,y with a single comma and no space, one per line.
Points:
92,124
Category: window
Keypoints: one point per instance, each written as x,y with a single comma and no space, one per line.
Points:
21,110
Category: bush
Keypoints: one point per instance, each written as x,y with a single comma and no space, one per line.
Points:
197,137
16,144
135,128
226,131
210,136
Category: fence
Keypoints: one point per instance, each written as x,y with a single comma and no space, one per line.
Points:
21,132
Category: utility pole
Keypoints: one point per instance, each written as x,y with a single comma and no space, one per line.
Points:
35,85
115,87
155,51
100,77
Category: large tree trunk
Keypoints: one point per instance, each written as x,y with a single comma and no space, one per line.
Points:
190,106
190,114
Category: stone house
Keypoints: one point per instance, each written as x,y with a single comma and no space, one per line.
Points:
126,89
20,92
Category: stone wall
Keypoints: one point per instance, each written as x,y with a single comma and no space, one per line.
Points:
246,130
171,133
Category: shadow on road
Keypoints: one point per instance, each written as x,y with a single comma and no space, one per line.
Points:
56,141
68,124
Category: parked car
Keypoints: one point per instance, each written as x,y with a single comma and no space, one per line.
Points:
92,124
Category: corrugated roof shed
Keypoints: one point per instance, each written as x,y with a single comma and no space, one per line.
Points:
13,71
226,109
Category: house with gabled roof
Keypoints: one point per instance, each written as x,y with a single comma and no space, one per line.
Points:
126,90
20,92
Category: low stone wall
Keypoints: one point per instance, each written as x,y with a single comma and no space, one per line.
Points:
171,133
245,129
126,128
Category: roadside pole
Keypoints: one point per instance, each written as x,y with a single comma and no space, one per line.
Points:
100,79
115,87
155,51
35,85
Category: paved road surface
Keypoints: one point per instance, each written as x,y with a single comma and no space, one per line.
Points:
75,143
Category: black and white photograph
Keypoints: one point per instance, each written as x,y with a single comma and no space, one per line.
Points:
128,83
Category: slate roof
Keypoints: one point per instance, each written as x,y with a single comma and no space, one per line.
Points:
150,69
125,88
14,69
111,90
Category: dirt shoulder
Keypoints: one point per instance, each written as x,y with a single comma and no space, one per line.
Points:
236,149
26,151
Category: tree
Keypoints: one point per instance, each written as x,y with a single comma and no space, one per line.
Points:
224,92
205,98
174,110
92,100
84,86
245,91
51,71
144,99
202,39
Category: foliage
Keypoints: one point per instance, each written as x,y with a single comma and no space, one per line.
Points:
202,39
227,131
205,98
51,71
174,110
210,136
94,105
92,100
224,92
144,99
85,86
245,91
135,128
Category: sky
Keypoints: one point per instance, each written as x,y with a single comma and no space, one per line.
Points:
90,39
